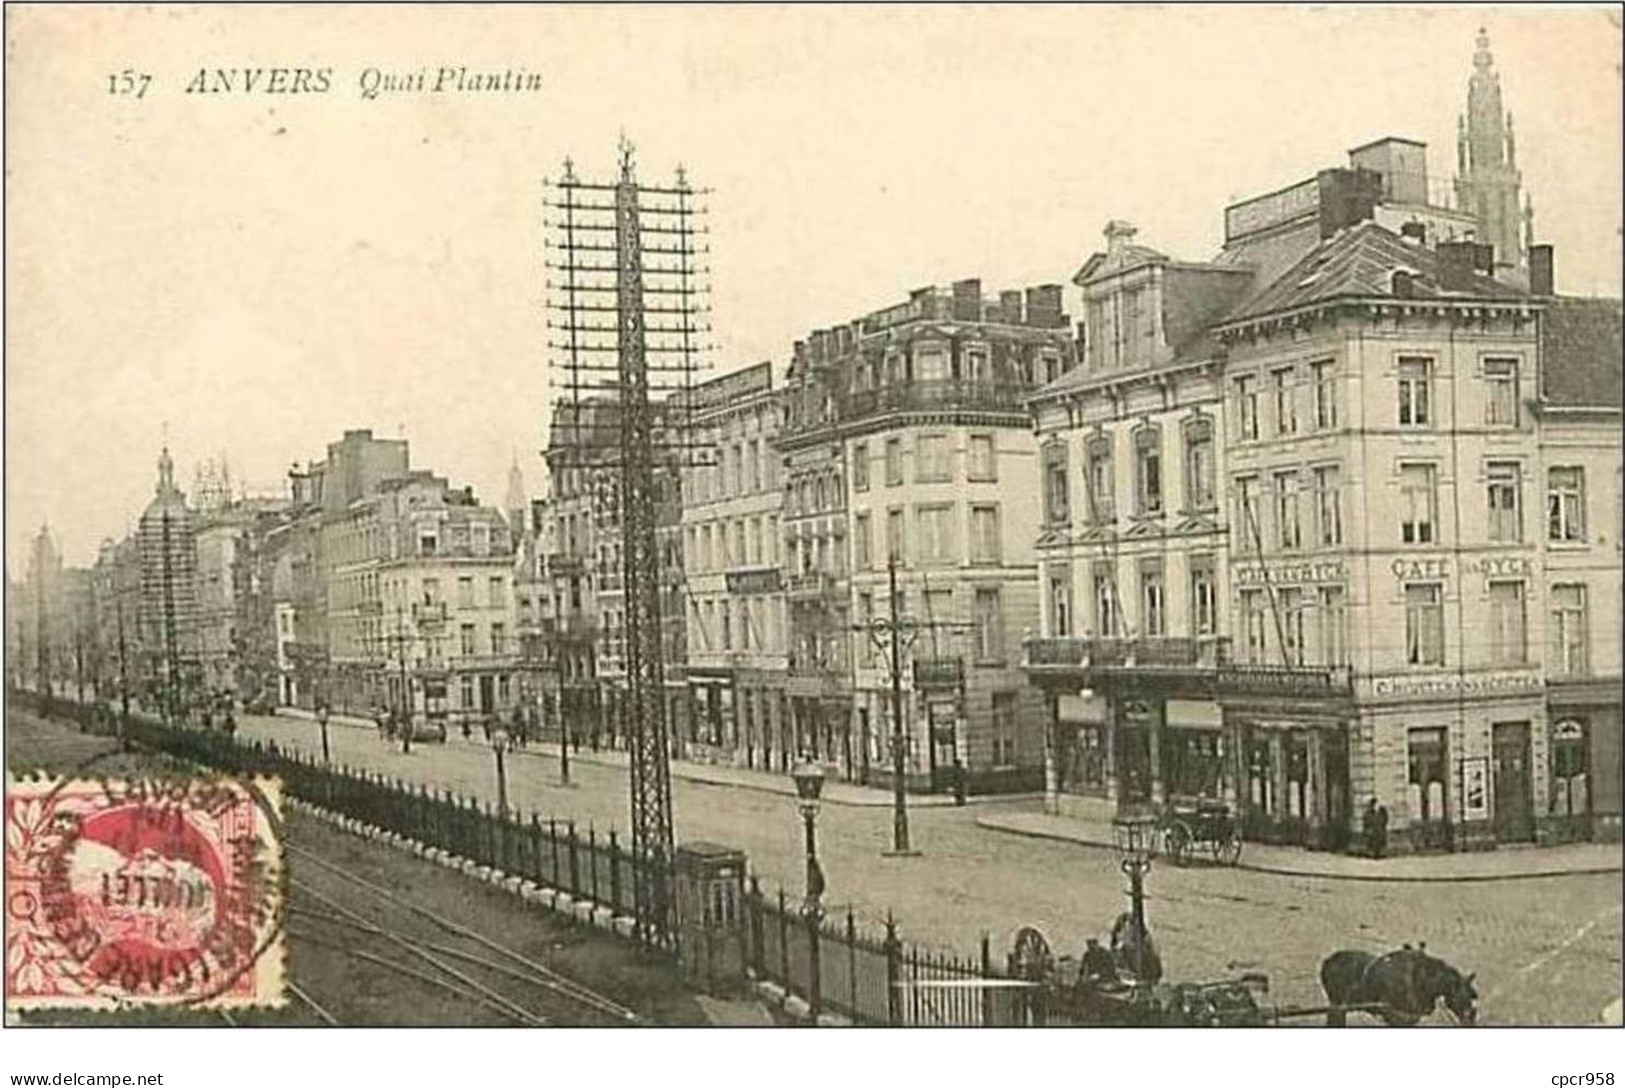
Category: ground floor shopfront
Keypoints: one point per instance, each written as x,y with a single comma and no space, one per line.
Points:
1456,763
738,717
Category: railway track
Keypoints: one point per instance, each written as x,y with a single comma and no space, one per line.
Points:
380,931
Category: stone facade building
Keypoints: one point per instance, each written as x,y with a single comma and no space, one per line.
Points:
733,595
904,431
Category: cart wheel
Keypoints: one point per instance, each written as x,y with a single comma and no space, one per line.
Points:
1179,844
1032,959
1227,851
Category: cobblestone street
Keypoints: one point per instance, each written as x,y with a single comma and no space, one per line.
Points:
1546,951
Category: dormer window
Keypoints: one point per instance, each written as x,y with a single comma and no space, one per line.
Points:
930,362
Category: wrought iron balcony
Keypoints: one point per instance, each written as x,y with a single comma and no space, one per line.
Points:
939,672
929,395
1122,652
429,613
810,584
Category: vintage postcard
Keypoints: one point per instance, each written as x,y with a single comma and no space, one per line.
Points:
942,515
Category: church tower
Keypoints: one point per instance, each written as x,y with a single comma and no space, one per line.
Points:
1487,177
515,503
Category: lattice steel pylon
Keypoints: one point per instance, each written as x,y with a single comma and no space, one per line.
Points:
630,242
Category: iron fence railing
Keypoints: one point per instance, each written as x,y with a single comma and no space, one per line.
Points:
865,978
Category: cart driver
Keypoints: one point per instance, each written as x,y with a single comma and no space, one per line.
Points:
1098,968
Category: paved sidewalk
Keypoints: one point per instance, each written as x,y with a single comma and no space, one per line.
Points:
776,782
1504,864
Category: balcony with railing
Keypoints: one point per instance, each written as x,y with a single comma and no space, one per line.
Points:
429,613
810,584
937,395
939,672
1203,663
565,563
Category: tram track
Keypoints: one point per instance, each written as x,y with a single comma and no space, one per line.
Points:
343,914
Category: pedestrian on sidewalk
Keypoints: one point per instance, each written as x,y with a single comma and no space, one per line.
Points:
959,783
1375,827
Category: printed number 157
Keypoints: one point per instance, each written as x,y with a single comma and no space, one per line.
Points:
129,82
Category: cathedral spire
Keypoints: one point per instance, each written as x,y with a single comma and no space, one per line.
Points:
1488,185
166,472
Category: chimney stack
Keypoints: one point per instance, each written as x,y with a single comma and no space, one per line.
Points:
1044,307
1415,232
1347,197
1455,261
1484,258
1010,307
1540,271
967,300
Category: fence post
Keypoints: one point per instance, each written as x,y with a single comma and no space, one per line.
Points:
575,864
894,973
754,897
448,821
987,973
592,858
914,990
614,871
490,836
536,847
553,849
851,961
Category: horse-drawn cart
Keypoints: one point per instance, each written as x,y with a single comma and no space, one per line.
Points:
1201,825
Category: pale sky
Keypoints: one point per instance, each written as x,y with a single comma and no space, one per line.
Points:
264,271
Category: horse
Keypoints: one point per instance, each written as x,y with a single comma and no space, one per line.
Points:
1408,984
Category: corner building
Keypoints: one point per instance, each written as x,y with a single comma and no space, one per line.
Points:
905,437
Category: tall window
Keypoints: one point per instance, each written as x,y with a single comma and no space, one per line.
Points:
935,534
1056,510
1424,623
1204,599
1508,645
1148,471
1286,511
1060,604
989,620
1501,392
931,459
465,593
1253,646
1199,465
1286,402
1004,728
496,591
982,467
1415,389
894,461
1152,611
1328,506
1419,504
866,616
1565,504
984,535
1106,619
894,537
465,639
1569,657
499,638
1247,408
1325,395
860,466
1248,530
726,612
1100,480
1289,601
1505,502
1333,611
863,542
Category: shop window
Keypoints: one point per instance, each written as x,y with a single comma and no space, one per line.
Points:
1083,766
1193,762
1261,777
1570,792
1425,750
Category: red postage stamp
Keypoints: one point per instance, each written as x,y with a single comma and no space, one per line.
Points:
141,893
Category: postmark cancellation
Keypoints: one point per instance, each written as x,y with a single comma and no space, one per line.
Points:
143,893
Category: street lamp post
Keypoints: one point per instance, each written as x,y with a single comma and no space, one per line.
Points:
499,745
809,779
564,742
321,720
1135,839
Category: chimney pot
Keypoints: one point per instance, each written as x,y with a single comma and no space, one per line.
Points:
1540,271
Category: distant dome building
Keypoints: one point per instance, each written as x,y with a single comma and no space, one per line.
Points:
169,602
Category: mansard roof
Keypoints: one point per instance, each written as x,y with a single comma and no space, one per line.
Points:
1360,262
1581,353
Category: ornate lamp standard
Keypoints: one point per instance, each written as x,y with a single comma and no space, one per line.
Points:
809,780
499,744
321,720
1135,838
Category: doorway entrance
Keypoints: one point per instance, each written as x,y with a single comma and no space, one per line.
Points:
1514,813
